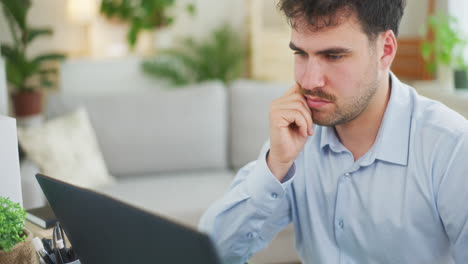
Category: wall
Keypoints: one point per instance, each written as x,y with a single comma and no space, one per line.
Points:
458,9
72,38
3,89
44,13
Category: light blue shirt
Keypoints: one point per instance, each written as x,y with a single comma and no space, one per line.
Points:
404,201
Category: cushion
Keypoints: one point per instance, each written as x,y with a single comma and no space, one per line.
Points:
158,130
249,114
66,148
105,77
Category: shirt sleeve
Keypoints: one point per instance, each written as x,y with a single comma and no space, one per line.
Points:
251,213
452,198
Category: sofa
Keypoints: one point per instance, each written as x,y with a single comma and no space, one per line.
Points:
171,151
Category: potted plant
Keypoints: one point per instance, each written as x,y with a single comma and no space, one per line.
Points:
142,15
15,240
443,50
26,76
219,57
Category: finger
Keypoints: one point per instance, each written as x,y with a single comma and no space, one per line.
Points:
306,116
301,98
295,89
301,123
302,107
294,97
295,117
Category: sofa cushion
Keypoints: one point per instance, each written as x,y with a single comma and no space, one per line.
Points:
249,115
65,148
156,131
181,196
80,76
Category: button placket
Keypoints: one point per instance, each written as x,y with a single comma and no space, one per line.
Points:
347,175
341,224
341,206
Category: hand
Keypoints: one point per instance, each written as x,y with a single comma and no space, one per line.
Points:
290,126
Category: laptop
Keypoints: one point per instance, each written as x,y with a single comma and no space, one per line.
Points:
104,230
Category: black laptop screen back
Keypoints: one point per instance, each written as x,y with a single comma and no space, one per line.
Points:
103,230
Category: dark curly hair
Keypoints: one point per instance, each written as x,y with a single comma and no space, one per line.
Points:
375,16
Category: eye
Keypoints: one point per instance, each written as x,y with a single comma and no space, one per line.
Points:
334,57
300,53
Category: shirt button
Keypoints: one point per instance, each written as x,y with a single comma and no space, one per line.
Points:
274,195
341,224
347,175
250,235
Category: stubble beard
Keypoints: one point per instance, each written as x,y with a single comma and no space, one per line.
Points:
353,107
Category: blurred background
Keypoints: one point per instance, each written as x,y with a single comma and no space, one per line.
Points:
160,102
96,31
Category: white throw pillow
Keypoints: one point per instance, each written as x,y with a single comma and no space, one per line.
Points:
66,148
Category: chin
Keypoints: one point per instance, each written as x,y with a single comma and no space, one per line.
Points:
322,119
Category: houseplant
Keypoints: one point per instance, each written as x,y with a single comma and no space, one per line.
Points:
140,14
15,246
26,76
220,57
443,50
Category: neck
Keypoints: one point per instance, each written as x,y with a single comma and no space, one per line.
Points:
359,135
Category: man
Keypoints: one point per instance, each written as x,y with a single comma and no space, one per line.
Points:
367,170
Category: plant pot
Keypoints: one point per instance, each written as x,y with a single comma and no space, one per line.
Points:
461,79
27,104
22,252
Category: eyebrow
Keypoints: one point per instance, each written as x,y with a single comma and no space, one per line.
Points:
332,50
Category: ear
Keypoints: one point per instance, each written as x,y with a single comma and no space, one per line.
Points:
387,47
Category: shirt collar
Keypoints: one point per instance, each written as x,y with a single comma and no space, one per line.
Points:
392,140
329,138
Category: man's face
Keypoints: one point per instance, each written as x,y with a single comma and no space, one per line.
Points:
338,69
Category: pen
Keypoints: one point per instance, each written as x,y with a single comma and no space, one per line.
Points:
47,245
59,250
41,251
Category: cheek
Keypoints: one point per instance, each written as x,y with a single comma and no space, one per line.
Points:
300,68
343,80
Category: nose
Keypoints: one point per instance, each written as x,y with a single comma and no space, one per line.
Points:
312,76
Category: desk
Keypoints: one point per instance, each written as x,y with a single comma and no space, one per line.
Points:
40,232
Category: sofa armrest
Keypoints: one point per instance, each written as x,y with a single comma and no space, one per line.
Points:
32,192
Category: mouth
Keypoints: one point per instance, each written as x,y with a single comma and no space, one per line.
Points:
316,102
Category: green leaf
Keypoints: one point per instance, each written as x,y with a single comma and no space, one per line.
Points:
12,221
144,14
7,51
48,71
14,75
47,83
167,70
220,57
132,34
18,10
426,51
48,57
34,33
448,45
191,9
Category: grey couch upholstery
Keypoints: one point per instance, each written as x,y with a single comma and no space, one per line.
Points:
174,152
